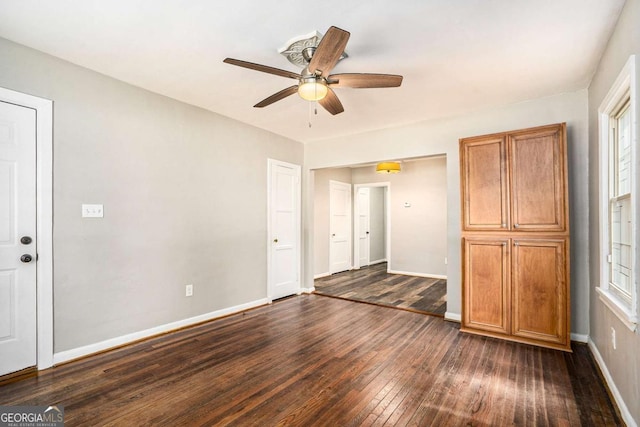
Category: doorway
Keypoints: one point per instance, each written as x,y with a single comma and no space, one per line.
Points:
339,226
371,224
39,249
284,229
415,241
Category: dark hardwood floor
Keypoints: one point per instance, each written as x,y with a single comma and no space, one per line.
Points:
316,361
374,285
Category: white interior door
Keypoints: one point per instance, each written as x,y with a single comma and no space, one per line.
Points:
364,207
339,226
17,238
284,229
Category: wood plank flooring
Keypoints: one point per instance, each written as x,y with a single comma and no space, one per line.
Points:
374,285
315,361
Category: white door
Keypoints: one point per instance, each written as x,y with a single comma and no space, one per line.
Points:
17,238
284,229
363,226
339,226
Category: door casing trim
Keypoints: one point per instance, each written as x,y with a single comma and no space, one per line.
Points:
44,218
387,231
272,163
350,238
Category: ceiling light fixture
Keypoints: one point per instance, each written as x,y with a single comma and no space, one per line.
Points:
388,167
312,88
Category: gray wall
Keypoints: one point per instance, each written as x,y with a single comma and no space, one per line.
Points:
184,194
377,224
437,137
320,195
624,362
418,233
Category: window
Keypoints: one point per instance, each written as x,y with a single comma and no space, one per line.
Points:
619,196
620,200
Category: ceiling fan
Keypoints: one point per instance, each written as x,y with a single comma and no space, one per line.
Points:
314,82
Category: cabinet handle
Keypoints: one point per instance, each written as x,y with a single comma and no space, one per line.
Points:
503,225
516,225
515,244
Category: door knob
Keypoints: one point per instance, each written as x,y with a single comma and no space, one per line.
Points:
275,240
26,258
367,232
25,240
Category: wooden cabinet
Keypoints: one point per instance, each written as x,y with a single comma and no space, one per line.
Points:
487,271
538,182
515,181
484,183
539,290
516,236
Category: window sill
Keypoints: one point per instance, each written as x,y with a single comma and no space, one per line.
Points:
618,308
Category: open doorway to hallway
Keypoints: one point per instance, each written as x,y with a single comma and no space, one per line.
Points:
403,233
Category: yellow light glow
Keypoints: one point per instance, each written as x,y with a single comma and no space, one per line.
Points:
388,167
312,91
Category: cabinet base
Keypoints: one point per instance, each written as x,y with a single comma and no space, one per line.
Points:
512,338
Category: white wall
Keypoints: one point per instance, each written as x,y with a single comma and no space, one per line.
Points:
418,233
184,194
441,136
377,224
622,363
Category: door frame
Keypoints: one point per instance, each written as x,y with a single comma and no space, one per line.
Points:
356,224
271,163
350,215
44,219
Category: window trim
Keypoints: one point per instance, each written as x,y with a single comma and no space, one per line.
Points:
624,86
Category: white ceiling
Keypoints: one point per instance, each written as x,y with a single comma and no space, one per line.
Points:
455,56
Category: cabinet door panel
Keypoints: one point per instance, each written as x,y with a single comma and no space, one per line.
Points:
539,306
484,183
537,179
486,284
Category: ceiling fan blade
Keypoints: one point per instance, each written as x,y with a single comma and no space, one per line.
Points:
364,80
277,96
263,68
331,103
329,50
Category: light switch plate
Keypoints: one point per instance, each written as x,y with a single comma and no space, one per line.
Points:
92,211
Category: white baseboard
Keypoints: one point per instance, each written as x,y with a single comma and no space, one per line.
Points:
307,290
453,317
378,261
582,338
68,355
409,273
321,275
624,411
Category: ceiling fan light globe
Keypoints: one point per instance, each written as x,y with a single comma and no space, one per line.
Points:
312,91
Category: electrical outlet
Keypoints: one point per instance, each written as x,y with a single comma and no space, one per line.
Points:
189,290
613,338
